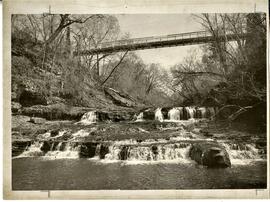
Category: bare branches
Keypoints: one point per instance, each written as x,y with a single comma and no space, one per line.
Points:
122,58
65,21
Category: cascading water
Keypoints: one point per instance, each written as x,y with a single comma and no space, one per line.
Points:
134,152
56,150
190,112
242,153
162,152
33,150
174,114
64,150
89,118
159,115
114,151
139,117
179,113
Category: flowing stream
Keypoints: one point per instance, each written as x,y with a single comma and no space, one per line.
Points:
133,164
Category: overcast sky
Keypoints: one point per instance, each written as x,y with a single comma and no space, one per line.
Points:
143,25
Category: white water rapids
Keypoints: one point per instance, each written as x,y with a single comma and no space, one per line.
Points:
174,149
159,115
147,151
181,113
89,118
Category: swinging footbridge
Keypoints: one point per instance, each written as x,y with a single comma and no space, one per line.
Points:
182,39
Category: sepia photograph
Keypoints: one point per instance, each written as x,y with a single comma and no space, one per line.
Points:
122,101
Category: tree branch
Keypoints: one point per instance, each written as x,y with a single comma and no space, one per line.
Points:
114,68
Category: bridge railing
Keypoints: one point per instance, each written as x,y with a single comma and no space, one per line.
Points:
171,37
155,39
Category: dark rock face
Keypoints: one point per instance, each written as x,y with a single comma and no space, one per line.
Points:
154,150
88,150
55,112
103,151
46,146
54,133
198,113
165,111
19,147
29,98
123,155
210,154
185,114
149,114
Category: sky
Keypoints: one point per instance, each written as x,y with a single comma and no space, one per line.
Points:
144,25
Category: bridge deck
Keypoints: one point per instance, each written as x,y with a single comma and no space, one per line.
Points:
156,42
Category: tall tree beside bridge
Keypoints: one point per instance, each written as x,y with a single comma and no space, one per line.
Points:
239,67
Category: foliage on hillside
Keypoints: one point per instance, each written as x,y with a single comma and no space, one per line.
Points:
228,72
42,60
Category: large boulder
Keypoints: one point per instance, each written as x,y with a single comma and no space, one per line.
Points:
88,150
165,111
120,98
149,114
210,154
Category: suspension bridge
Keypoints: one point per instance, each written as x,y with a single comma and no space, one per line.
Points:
182,39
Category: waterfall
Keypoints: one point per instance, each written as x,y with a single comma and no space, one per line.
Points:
242,153
174,114
33,150
97,151
174,150
159,115
89,118
167,152
190,112
114,151
56,150
139,117
68,150
59,146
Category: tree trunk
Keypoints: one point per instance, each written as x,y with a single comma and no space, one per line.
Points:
68,43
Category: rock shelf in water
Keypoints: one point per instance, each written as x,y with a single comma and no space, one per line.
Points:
210,154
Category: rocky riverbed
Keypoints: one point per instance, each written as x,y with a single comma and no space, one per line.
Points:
206,142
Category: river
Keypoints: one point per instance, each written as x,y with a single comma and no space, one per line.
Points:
164,154
83,174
